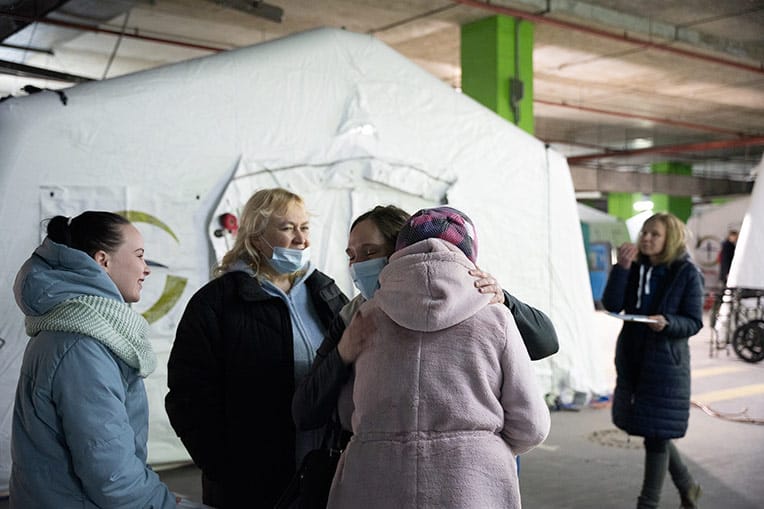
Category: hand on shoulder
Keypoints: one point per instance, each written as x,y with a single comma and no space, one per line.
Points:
486,283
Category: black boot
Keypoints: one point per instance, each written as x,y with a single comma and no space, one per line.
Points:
656,464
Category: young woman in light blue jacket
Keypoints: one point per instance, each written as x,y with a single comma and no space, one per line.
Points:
80,423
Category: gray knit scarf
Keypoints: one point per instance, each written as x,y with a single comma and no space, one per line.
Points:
109,321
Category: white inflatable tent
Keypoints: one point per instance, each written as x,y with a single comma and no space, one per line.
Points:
338,117
747,270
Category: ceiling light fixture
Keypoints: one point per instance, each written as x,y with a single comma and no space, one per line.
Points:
637,143
643,205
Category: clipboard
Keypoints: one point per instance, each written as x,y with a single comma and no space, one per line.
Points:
632,318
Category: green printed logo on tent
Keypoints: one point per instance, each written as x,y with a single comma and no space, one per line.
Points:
173,285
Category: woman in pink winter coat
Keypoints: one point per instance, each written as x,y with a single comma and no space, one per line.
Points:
444,395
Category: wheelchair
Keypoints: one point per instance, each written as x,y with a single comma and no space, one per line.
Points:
737,319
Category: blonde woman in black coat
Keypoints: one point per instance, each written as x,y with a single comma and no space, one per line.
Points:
245,340
652,395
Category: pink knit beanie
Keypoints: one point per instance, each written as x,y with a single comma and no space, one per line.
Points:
444,223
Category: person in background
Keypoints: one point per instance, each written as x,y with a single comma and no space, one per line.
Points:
725,256
652,394
245,340
370,243
80,422
444,395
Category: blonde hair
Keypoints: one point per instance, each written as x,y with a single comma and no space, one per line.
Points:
254,219
676,236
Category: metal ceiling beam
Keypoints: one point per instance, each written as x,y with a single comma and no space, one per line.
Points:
749,141
27,71
609,181
27,48
498,9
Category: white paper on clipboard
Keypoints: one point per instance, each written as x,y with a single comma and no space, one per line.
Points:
632,318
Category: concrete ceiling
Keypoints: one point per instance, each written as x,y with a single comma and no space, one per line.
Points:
618,84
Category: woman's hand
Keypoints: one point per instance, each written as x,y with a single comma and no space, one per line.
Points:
487,284
627,252
659,324
355,338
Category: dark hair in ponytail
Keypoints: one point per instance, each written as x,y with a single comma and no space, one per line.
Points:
91,231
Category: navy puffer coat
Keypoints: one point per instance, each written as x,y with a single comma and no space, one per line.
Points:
652,393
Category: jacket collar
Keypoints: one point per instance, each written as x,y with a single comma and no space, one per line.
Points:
250,289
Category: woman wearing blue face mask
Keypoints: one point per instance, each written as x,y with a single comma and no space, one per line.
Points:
371,241
244,342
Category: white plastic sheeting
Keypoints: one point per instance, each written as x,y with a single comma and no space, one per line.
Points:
335,116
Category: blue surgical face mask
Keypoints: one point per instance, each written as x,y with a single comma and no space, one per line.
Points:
365,275
285,260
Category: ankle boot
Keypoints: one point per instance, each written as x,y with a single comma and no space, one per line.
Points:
691,496
689,490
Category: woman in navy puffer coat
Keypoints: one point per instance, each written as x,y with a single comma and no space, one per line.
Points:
652,394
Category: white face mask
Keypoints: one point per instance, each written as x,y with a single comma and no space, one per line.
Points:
285,260
365,275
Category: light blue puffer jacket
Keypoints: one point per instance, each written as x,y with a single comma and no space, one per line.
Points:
80,422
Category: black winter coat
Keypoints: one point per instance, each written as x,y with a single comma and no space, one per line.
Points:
652,393
231,380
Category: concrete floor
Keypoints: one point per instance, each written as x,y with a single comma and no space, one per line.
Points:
586,463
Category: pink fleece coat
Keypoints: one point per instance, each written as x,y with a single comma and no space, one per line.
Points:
444,395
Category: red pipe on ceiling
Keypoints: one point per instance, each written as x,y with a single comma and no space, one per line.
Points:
678,123
689,147
603,33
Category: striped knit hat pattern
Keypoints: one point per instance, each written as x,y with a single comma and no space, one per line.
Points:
444,223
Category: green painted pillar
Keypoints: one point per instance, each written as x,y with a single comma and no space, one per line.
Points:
680,206
621,205
497,67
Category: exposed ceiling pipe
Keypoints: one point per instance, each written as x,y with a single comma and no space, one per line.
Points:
609,35
116,33
688,147
658,120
